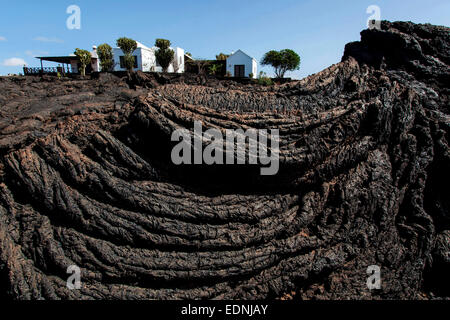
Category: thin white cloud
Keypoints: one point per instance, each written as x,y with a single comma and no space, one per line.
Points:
14,62
32,53
2,38
45,39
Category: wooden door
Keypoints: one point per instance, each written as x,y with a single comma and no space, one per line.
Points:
239,71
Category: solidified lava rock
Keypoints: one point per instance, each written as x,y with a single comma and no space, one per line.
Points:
86,179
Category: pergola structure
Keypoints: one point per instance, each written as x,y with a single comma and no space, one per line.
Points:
66,61
69,64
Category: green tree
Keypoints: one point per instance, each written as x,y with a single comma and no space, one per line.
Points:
105,54
164,55
222,56
128,46
85,59
282,61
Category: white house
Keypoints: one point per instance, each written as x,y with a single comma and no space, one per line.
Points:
95,62
145,59
240,64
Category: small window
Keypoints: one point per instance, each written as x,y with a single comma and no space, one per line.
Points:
122,62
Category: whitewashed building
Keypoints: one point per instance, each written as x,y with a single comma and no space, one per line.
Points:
145,59
241,65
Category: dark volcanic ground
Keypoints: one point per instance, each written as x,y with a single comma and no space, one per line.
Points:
86,179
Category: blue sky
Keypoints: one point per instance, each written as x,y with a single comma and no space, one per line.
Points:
317,29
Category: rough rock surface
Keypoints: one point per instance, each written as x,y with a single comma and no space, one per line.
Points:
86,179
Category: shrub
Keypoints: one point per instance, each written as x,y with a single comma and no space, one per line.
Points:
222,56
128,46
264,80
217,68
85,59
164,55
105,54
